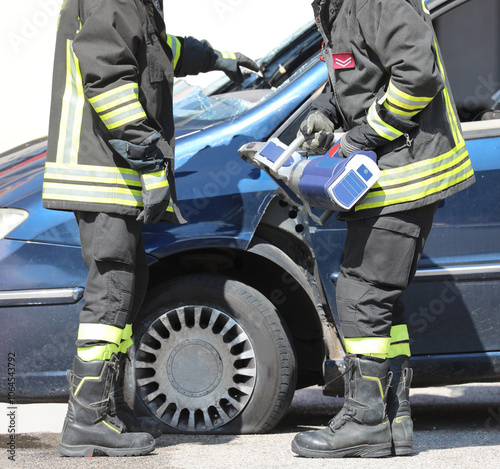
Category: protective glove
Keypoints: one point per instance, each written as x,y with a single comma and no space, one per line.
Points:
150,163
230,63
320,128
347,146
155,194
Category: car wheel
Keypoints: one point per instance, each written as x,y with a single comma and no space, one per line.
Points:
213,356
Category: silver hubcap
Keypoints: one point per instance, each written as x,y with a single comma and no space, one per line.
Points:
195,368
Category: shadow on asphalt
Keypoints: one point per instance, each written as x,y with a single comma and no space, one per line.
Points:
444,418
167,440
462,416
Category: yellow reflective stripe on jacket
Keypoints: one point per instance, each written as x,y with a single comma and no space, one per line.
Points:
119,106
175,47
424,7
382,128
419,180
406,101
72,110
92,194
404,105
404,115
123,115
90,173
100,332
422,169
110,99
155,180
94,184
452,118
367,345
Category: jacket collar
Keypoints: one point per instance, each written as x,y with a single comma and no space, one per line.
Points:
327,10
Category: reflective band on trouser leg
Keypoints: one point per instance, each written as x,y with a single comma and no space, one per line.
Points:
373,346
99,333
97,352
127,341
400,341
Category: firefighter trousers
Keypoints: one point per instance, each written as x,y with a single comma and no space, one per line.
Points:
117,281
381,256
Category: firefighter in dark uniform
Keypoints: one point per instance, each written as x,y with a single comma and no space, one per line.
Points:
388,91
110,160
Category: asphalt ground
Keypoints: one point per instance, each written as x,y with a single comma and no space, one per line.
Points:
455,427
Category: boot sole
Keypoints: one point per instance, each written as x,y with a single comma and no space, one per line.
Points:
363,451
403,450
88,450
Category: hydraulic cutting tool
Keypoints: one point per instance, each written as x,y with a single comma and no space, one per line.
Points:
327,182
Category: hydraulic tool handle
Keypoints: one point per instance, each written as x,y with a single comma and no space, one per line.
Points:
283,158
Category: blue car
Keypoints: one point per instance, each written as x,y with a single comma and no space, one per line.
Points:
240,310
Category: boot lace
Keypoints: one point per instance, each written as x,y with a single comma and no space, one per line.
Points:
348,411
345,415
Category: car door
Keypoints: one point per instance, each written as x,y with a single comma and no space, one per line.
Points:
454,305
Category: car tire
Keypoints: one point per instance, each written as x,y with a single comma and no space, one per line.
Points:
213,356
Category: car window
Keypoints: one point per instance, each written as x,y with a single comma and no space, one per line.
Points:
469,38
193,106
224,99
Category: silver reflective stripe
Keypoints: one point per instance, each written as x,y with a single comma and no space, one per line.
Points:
85,173
123,94
175,46
422,169
123,115
382,128
406,101
72,110
93,194
155,180
411,192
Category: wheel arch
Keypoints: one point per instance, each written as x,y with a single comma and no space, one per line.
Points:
291,289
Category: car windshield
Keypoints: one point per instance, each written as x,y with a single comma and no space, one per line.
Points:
223,99
191,103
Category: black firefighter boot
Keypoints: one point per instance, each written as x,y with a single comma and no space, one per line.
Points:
398,406
361,428
88,428
120,408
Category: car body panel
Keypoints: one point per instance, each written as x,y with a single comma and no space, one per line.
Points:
452,306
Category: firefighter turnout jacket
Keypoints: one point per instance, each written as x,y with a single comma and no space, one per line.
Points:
113,82
388,90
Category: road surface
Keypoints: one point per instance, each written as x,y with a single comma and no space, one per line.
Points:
455,427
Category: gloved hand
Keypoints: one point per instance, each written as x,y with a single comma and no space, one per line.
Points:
155,194
149,161
347,146
230,63
317,125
